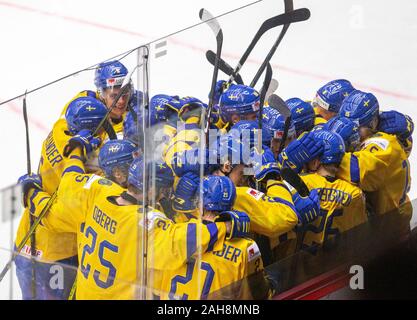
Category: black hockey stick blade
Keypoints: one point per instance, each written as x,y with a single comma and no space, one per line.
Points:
29,171
223,66
215,27
279,20
278,104
294,180
274,48
264,89
25,118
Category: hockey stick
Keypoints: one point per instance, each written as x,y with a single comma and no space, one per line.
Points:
294,180
53,197
273,86
288,8
283,109
261,240
282,19
227,69
264,90
223,66
214,25
29,171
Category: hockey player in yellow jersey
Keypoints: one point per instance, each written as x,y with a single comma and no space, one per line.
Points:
401,125
380,167
272,212
107,219
342,205
83,113
233,272
108,79
329,98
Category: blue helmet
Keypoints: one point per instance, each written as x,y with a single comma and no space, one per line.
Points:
334,147
362,108
164,177
219,193
332,94
84,113
347,129
109,74
190,103
115,153
274,122
302,114
133,130
231,148
238,99
248,131
162,107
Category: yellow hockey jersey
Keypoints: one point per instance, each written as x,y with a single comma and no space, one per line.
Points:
186,138
381,169
270,214
224,274
342,207
50,246
110,236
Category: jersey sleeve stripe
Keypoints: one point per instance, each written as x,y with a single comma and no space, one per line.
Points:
289,204
354,169
32,205
76,157
43,199
73,169
191,239
212,228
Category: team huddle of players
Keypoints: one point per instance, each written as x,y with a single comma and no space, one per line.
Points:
185,223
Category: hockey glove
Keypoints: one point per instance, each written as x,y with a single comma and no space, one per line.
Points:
83,139
240,223
308,208
265,165
394,122
184,195
300,152
29,182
